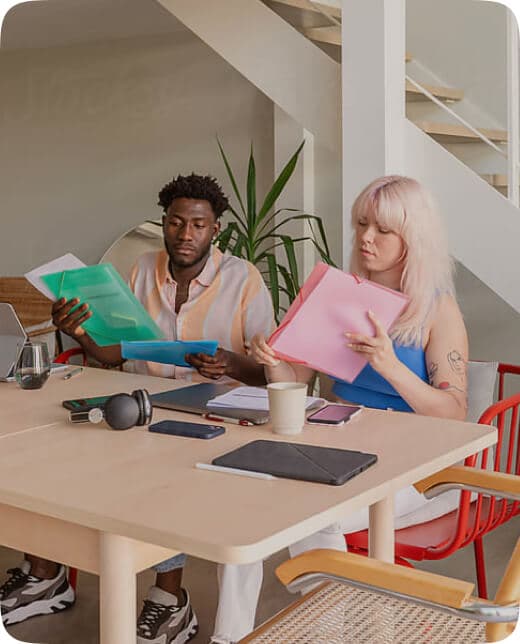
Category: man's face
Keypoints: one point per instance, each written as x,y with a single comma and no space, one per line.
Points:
189,226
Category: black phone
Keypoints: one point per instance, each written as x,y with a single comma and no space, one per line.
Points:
190,430
334,414
85,404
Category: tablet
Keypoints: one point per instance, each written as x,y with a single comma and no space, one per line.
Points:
296,461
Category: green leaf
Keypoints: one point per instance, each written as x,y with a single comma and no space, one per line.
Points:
238,248
280,183
273,283
224,238
240,220
251,193
231,176
291,258
292,288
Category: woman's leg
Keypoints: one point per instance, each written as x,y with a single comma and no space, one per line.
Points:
239,589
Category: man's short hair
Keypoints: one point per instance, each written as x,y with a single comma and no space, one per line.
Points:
194,186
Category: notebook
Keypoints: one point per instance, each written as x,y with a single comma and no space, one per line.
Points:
295,461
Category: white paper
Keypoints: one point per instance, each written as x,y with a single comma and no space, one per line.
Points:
64,263
248,398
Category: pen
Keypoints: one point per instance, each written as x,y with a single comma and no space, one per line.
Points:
224,419
232,470
74,372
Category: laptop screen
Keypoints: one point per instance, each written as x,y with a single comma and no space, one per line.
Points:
12,339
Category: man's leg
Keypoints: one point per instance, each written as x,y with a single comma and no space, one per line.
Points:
167,611
37,587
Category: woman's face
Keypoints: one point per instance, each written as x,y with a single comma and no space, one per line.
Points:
379,250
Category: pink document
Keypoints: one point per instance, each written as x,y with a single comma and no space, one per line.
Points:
330,303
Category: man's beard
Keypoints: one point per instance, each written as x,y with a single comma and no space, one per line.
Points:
186,262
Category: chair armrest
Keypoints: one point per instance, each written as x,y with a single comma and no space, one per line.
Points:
378,574
470,478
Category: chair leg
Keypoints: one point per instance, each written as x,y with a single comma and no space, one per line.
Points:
480,565
73,577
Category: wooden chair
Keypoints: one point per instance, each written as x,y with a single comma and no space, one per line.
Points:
475,517
33,308
372,602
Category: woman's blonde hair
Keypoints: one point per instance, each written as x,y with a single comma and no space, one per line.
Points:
402,205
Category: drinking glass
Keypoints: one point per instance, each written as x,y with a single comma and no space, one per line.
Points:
33,366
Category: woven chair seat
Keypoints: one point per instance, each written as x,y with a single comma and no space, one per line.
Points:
339,614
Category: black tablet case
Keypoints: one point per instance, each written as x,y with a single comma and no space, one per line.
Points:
295,461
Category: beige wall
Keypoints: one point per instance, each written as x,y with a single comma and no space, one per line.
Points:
90,133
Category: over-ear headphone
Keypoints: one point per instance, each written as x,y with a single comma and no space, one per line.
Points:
120,411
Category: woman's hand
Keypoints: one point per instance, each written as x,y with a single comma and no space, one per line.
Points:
262,352
70,323
378,350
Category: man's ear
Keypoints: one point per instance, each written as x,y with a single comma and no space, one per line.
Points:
216,229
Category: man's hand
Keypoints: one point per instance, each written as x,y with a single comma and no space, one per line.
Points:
70,323
213,367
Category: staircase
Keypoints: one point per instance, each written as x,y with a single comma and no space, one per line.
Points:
321,23
264,41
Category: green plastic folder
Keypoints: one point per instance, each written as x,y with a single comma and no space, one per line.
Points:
117,315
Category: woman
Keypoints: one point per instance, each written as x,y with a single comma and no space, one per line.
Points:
420,366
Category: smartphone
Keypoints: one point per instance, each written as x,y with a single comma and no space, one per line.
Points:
85,404
334,414
190,430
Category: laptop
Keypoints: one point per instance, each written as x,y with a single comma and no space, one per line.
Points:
194,399
296,461
12,339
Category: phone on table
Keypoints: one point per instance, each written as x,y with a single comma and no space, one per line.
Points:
190,430
85,404
334,414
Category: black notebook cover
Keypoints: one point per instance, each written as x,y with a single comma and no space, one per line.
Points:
295,461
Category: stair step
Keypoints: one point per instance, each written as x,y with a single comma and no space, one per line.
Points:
317,7
442,93
449,133
331,35
496,180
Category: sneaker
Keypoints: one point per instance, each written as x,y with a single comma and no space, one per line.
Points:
164,621
23,595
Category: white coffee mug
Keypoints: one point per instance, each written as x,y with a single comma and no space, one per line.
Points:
287,406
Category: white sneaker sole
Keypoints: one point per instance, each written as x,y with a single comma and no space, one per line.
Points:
181,638
40,607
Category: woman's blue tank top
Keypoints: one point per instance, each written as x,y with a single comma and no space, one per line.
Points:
372,390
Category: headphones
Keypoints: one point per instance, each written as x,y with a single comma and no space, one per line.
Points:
120,411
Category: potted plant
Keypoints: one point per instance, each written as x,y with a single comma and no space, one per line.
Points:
256,231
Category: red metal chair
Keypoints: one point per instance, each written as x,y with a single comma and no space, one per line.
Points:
64,357
474,517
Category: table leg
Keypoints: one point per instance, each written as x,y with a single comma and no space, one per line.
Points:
117,590
381,540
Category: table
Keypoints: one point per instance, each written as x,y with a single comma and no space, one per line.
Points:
114,503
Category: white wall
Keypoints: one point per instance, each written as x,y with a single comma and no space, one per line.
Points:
464,43
90,133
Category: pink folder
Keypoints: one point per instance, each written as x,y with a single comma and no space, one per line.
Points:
330,303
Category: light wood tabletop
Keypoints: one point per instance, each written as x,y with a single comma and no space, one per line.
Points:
125,489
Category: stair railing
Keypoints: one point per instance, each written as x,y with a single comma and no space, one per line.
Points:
456,116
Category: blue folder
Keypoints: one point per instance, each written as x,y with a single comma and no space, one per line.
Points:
167,352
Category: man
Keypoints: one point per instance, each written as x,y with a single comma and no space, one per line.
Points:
193,292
